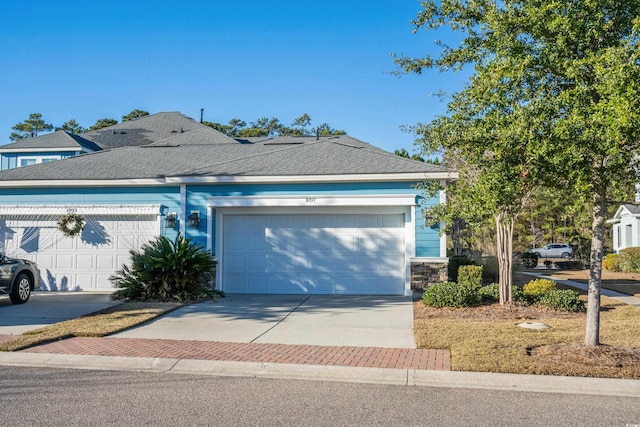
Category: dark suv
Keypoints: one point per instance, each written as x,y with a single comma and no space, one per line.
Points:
18,278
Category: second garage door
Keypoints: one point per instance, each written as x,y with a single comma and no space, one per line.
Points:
84,262
315,254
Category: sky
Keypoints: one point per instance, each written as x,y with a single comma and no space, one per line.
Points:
87,60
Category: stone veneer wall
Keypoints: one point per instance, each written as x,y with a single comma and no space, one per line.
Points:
424,273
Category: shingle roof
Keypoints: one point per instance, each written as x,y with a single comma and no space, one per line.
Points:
207,153
173,145
202,136
634,209
143,130
58,139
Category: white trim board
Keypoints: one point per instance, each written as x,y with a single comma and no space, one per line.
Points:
312,200
80,209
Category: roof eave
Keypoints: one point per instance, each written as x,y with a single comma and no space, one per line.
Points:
83,183
43,150
409,177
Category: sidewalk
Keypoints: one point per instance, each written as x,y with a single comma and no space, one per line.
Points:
370,357
307,363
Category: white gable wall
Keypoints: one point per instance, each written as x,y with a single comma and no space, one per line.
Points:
626,233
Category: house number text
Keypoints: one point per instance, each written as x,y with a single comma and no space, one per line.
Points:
311,199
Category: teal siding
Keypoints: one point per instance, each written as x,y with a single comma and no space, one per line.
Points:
427,238
304,189
169,196
10,160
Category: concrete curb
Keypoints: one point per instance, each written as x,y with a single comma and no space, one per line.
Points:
528,383
409,377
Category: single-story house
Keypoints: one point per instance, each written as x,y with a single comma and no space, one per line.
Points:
626,227
318,215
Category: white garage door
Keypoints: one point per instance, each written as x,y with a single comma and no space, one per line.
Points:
315,254
84,262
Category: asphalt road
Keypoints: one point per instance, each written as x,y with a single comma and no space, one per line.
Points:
42,396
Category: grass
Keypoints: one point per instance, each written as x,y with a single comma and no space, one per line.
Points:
498,345
98,324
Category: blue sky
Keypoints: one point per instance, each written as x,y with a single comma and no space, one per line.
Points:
236,59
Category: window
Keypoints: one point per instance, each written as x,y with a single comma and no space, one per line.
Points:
27,162
34,160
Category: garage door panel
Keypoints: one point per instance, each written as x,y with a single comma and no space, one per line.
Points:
102,281
281,284
275,263
392,221
64,261
125,242
85,262
65,243
105,262
317,253
44,261
235,264
243,283
85,281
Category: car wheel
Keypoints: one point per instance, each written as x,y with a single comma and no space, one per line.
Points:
565,255
21,290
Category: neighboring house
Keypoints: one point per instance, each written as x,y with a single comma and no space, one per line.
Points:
44,148
626,227
329,215
60,144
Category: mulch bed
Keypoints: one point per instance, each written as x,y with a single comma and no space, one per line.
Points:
491,311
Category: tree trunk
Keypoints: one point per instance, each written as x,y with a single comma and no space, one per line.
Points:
592,336
504,232
456,236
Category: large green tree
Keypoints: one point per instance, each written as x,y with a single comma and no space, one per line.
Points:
557,84
30,127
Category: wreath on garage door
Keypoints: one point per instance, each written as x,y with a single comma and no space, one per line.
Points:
71,224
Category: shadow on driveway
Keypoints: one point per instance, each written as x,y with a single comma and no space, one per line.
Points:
45,308
361,321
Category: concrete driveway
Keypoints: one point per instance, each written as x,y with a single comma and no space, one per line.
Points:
362,321
45,308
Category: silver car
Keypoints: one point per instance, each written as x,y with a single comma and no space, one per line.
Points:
554,250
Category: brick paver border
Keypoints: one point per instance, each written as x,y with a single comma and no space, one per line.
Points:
370,357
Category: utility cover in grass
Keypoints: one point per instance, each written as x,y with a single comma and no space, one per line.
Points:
534,325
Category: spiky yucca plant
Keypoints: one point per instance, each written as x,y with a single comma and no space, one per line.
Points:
165,270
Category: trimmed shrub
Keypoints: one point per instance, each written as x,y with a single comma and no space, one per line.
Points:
470,275
490,293
563,300
611,262
455,262
518,295
450,294
165,270
630,260
537,287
